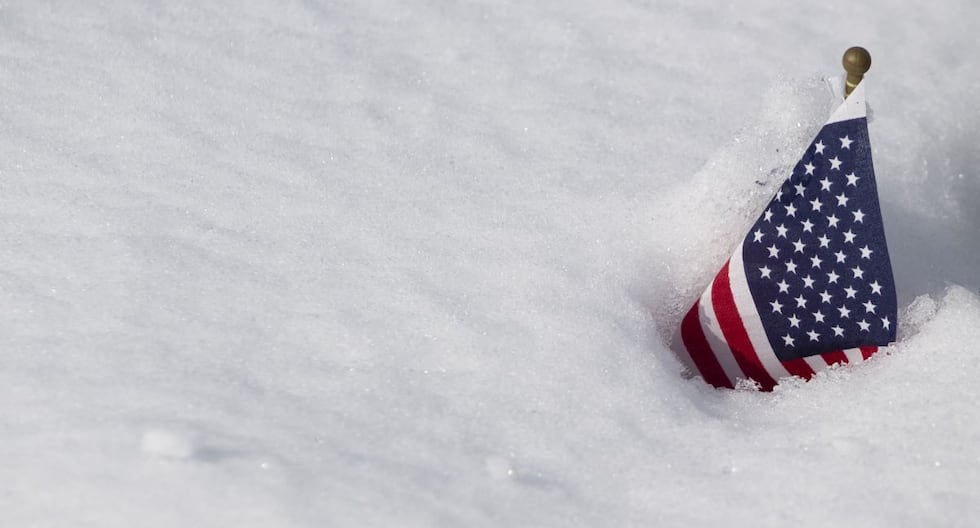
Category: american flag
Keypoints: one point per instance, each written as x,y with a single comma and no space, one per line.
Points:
811,284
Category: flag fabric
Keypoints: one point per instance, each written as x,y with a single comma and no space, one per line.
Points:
811,284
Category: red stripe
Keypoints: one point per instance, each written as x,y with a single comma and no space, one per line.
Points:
867,352
798,367
697,346
735,335
835,357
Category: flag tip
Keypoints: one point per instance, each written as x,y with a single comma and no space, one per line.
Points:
857,62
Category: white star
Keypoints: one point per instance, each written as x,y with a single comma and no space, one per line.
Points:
807,282
781,231
833,220
851,292
838,331
818,316
865,326
824,241
807,226
866,252
800,301
825,184
799,189
765,272
783,286
819,147
869,307
773,251
844,312
816,204
790,210
791,267
794,322
768,216
834,163
788,340
849,236
842,200
875,287
826,297
885,323
832,277
815,261
757,236
777,307
858,272
845,142
809,168
841,257
779,196
814,336
852,179
799,245
858,216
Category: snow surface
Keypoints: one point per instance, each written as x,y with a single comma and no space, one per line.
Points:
385,263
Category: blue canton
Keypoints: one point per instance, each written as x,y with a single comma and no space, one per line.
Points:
816,260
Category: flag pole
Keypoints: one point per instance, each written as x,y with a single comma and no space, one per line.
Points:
857,62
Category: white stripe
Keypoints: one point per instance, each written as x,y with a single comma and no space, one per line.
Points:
716,339
852,108
836,87
817,363
750,317
680,349
854,355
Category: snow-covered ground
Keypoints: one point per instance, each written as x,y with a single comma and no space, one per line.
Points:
383,263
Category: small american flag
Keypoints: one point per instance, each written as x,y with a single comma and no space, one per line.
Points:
811,284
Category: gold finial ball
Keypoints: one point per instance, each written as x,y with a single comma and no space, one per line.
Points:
857,61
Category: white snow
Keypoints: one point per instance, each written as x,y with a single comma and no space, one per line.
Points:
388,263
164,443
